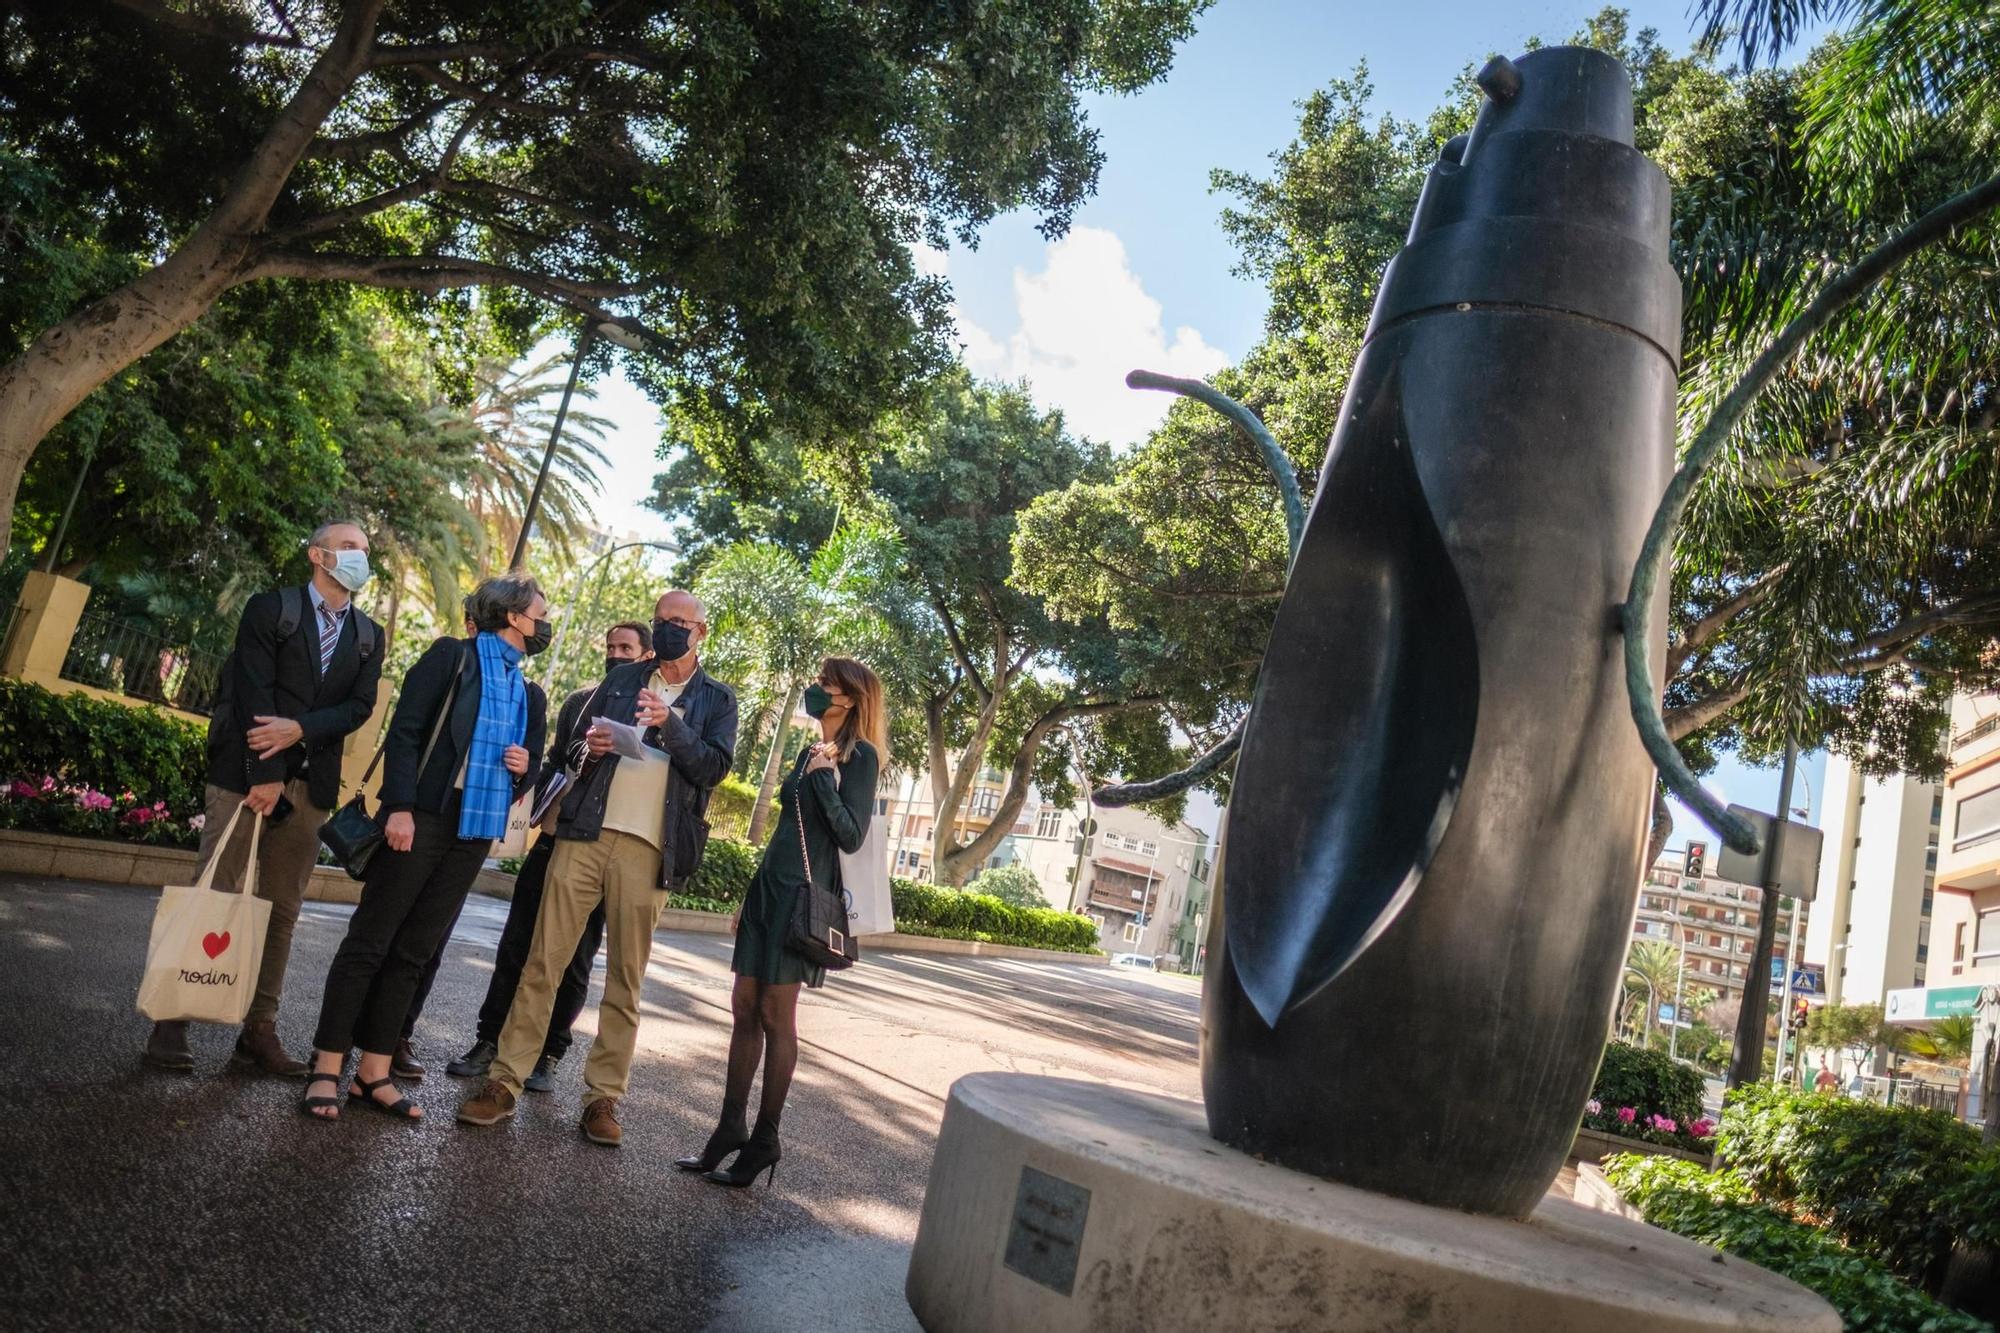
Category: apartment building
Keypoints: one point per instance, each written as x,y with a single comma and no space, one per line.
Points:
1139,876
1871,923
1713,921
1966,922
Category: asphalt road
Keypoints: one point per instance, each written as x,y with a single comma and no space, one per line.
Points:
140,1200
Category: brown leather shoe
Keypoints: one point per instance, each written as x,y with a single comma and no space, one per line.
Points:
404,1063
167,1048
257,1047
490,1105
600,1122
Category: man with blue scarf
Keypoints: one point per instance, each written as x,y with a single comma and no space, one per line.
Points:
632,830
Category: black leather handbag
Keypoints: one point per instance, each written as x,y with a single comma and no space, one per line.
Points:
352,834
818,931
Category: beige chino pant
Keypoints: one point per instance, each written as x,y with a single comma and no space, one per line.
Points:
623,872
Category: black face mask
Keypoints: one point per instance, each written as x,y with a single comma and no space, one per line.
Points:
670,641
538,642
611,664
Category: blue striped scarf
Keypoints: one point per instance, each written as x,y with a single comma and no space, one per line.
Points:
503,721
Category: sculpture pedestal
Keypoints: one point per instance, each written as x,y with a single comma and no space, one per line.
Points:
1056,1205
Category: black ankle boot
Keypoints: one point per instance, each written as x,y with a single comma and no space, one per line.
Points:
730,1134
759,1155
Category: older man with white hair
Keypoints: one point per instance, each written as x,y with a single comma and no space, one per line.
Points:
303,674
661,737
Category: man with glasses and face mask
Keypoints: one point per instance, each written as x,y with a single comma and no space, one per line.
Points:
303,675
627,641
660,737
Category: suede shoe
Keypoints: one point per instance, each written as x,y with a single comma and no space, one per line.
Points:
600,1122
544,1077
475,1062
404,1063
258,1048
167,1048
490,1105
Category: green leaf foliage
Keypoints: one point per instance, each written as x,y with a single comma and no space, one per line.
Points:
1649,1082
1886,1180
1014,885
1716,1208
727,867
96,745
926,909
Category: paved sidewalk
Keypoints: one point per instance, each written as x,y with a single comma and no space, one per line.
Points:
137,1200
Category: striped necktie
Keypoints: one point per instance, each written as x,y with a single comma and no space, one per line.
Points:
329,635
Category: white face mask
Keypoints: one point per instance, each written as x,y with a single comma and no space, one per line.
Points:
350,569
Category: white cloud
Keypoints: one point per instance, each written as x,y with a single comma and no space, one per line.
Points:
1084,321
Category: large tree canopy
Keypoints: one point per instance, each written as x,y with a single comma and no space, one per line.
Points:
743,179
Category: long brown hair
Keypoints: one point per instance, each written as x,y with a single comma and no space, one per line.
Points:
867,719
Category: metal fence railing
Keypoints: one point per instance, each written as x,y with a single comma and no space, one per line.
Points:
139,664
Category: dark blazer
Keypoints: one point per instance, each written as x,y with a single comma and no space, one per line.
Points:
424,690
698,737
273,678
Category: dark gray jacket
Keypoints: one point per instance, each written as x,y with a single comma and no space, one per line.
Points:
698,737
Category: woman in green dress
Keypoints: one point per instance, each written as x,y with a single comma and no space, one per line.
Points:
823,810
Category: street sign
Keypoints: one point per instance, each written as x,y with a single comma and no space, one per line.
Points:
1807,978
1666,1013
1798,870
1921,1005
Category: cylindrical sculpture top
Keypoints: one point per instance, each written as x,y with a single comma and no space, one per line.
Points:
1438,815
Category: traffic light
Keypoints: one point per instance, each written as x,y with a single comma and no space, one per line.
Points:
1799,1011
1697,860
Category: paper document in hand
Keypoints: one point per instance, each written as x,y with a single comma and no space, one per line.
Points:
628,740
558,784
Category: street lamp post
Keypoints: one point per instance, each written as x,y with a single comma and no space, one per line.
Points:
612,331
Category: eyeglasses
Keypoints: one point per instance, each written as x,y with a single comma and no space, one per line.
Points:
688,625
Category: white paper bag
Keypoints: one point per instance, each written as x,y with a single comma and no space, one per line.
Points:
865,876
202,960
514,842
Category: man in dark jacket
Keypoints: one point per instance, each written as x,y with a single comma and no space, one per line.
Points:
662,737
303,675
627,641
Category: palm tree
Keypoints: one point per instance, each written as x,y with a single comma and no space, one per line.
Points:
1947,1041
774,618
1657,965
508,425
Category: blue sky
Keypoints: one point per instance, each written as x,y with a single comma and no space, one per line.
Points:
1144,277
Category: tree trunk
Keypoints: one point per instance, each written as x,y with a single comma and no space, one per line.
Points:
950,864
773,765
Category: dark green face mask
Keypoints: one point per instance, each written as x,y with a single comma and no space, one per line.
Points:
817,700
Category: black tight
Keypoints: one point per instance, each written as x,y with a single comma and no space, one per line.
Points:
764,1026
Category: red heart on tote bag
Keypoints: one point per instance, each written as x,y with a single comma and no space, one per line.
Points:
213,944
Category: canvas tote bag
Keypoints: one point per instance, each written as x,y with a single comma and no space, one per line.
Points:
202,960
865,876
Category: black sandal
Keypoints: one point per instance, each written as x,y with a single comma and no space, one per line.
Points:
311,1105
402,1108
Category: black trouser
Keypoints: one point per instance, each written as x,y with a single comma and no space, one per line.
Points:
512,956
408,902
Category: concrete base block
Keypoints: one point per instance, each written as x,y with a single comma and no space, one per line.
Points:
1056,1205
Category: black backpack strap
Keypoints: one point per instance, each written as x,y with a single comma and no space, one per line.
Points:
291,611
364,634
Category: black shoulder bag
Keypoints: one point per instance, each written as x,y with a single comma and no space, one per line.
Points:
352,834
818,931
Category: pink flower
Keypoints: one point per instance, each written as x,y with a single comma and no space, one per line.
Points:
1661,1123
24,790
48,785
198,822
1702,1128
93,800
1593,1107
1626,1115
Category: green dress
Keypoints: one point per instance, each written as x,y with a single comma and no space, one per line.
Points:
836,819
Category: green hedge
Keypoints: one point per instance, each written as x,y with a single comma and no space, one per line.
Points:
75,764
928,909
1898,1183
1716,1208
1649,1082
727,868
